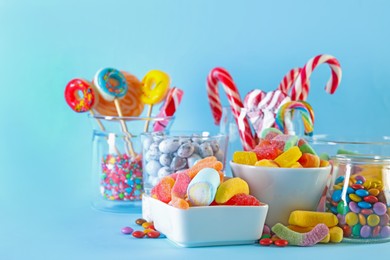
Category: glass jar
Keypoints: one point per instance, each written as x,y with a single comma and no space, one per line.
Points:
117,180
165,154
359,195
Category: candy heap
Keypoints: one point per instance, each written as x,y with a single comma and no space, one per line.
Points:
276,149
360,204
120,94
164,154
260,108
202,185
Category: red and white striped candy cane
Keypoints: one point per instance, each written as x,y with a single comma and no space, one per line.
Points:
215,76
172,102
300,90
253,98
288,80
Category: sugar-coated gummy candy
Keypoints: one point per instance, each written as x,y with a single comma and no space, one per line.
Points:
229,188
336,234
267,150
308,160
289,157
162,190
312,218
208,162
270,133
179,189
203,187
287,141
267,163
179,203
245,157
243,200
305,147
318,233
324,163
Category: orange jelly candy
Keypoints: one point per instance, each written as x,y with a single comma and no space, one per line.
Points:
309,160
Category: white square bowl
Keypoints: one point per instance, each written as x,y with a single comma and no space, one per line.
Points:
206,226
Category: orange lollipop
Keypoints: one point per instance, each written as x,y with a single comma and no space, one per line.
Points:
130,104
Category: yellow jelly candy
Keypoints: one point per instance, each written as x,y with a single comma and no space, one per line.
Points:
243,157
229,188
324,163
289,157
336,234
267,163
312,218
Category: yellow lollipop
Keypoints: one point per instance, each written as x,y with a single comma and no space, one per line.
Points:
154,88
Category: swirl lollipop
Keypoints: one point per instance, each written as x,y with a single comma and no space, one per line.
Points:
154,88
112,86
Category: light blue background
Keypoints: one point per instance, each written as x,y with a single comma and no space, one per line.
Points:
45,147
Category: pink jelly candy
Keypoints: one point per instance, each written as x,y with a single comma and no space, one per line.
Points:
162,190
179,189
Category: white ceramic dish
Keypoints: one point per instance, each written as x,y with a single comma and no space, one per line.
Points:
206,226
284,189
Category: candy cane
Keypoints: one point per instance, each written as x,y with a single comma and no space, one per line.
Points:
300,90
288,80
215,76
306,113
253,98
172,102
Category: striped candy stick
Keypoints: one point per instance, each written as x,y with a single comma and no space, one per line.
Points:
300,90
288,80
215,76
171,103
253,98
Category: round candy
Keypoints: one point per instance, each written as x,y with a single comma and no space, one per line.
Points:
153,234
138,234
111,83
281,242
373,220
361,193
351,219
265,241
155,86
131,104
364,205
354,207
127,230
79,95
380,208
365,231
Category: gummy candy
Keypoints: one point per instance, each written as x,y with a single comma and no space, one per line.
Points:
312,218
289,157
208,162
162,190
179,189
267,163
242,199
309,160
243,157
324,163
266,150
305,147
229,188
270,133
179,203
288,141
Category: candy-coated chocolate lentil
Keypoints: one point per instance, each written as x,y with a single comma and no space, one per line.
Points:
265,236
354,207
337,187
140,221
356,230
379,208
376,231
385,231
153,234
347,231
359,182
341,219
334,203
354,197
342,207
357,186
373,192
281,242
365,231
336,196
334,210
146,224
362,219
350,190
340,179
366,212
351,219
362,193
373,220
360,178
266,241
384,220
138,234
148,230
367,184
370,199
127,230
364,205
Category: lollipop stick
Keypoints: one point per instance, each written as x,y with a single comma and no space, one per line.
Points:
146,129
124,129
101,126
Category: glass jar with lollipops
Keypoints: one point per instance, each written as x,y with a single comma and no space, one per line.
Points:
112,86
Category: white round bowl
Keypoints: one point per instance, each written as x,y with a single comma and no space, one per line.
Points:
284,189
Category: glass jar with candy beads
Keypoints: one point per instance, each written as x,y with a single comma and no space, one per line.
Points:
359,195
117,179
